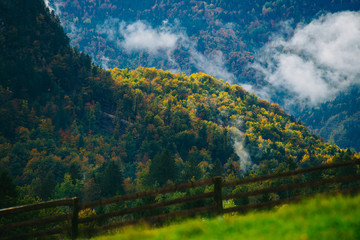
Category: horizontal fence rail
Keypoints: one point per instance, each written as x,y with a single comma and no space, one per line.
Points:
148,207
37,222
37,206
293,186
33,223
149,193
129,210
161,217
247,207
38,234
291,173
153,206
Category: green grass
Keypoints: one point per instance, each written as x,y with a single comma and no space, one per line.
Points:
323,217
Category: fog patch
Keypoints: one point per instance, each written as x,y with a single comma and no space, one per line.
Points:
161,42
212,64
48,5
317,61
139,36
53,5
105,62
244,157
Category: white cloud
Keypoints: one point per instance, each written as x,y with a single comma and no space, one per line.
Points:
48,5
54,5
161,43
105,62
213,64
318,61
111,28
139,36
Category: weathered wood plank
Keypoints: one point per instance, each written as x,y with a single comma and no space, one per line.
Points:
218,194
162,217
75,218
36,222
37,234
37,206
247,207
149,193
148,207
290,173
293,186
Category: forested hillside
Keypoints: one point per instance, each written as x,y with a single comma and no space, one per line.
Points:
221,38
69,128
47,88
338,119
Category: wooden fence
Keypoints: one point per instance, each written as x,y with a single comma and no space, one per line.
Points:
121,211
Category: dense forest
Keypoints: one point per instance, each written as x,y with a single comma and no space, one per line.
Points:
221,38
334,119
70,128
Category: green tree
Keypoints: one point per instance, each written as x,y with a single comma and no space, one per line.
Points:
162,168
75,172
67,188
192,170
8,191
43,187
91,191
217,169
110,180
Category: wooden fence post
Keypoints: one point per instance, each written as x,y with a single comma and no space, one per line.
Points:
75,219
218,194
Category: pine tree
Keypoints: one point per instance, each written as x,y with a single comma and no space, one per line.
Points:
162,169
111,180
7,189
91,191
192,170
48,186
75,172
217,170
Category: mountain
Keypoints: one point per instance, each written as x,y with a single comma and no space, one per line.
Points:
47,88
70,128
222,38
337,119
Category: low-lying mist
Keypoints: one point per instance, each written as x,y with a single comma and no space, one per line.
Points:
315,62
162,42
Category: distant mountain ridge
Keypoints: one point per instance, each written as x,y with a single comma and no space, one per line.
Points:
220,38
338,119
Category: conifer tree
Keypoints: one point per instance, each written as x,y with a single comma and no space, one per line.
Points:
7,189
163,168
217,169
192,170
111,180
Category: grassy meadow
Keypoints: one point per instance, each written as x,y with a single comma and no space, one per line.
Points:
322,217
